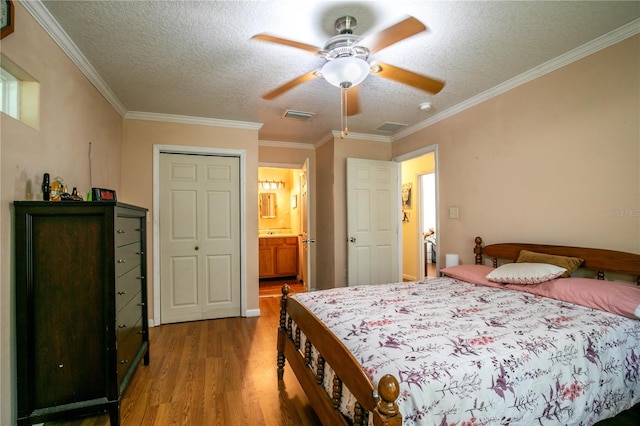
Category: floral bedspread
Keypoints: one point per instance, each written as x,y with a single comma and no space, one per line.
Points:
473,355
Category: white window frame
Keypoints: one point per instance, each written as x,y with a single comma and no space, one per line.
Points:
9,94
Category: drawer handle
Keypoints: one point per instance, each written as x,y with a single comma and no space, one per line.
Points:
122,260
124,361
140,253
138,229
122,326
122,292
139,278
121,231
141,304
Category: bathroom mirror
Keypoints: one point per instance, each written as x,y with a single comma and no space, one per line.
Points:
267,203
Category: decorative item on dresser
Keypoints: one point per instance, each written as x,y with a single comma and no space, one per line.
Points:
81,307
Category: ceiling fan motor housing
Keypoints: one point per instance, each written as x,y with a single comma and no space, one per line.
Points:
345,43
346,24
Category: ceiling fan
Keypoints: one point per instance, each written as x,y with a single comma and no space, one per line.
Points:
347,53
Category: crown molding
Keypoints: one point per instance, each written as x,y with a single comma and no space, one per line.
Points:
602,42
291,145
362,136
326,138
50,25
184,119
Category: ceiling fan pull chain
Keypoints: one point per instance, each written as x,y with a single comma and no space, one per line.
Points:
344,129
344,111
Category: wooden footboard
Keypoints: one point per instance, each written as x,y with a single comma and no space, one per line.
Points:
348,372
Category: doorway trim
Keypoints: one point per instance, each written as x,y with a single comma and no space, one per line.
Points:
408,156
198,150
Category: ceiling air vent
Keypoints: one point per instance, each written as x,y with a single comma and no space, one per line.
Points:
391,127
298,115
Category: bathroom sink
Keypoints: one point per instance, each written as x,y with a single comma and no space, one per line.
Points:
276,233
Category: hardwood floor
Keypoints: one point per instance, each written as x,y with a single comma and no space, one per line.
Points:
216,372
223,372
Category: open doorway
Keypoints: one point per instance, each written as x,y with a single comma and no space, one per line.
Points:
419,222
281,222
428,222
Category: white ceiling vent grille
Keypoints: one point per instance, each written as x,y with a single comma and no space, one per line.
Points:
298,115
391,127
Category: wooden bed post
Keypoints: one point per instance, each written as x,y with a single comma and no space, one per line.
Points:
388,392
282,331
478,251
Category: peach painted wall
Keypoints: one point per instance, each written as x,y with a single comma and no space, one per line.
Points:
139,137
556,160
325,229
72,114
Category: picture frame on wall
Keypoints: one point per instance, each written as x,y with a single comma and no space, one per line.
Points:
406,196
7,16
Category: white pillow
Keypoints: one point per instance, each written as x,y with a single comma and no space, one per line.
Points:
525,273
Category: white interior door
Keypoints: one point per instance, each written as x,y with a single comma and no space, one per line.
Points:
306,242
373,206
199,237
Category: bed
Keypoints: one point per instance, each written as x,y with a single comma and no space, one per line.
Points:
469,350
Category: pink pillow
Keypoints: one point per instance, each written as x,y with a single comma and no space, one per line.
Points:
475,274
610,296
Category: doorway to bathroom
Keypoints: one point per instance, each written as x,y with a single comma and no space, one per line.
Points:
282,227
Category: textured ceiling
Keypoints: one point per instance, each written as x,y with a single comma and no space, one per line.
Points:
197,59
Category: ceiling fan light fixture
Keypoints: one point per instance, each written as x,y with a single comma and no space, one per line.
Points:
346,71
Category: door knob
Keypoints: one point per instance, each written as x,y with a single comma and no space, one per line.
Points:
352,239
197,248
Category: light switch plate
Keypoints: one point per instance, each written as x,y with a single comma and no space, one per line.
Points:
454,213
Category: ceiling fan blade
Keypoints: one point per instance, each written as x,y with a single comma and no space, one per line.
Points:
410,78
292,43
291,84
353,101
393,34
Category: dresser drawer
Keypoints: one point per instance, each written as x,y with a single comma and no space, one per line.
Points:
127,350
128,257
128,317
127,286
127,230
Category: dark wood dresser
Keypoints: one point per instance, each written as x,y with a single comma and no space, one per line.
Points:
81,306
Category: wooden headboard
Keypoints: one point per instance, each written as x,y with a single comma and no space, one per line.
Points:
600,260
